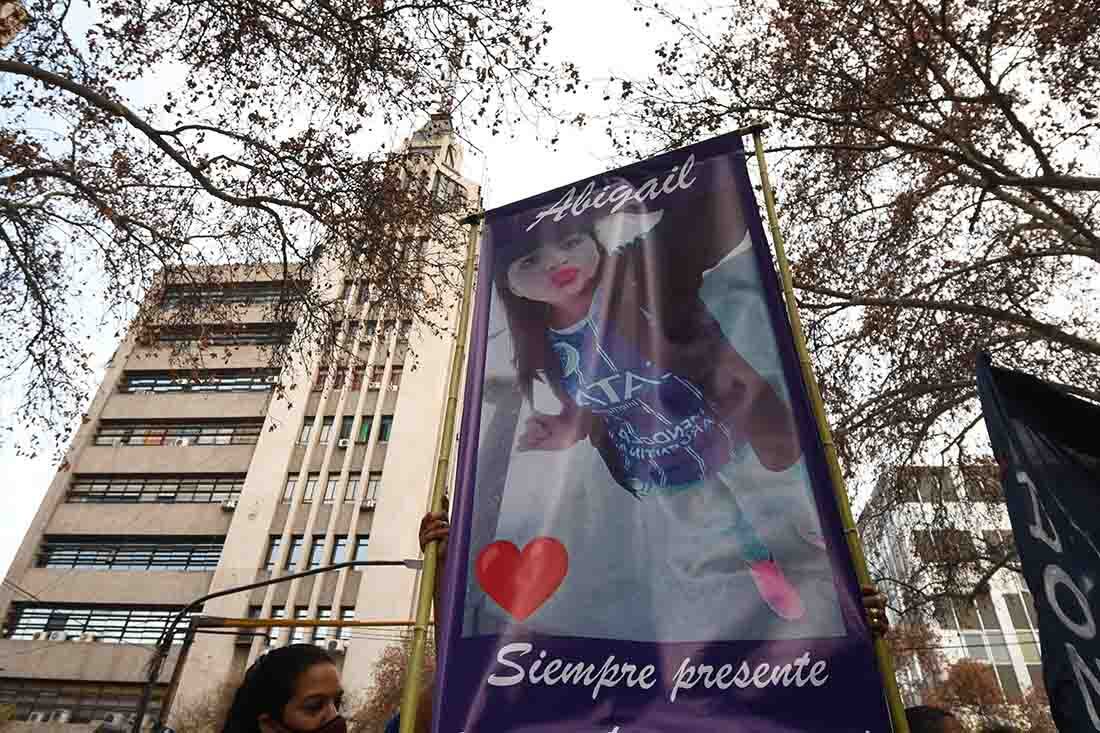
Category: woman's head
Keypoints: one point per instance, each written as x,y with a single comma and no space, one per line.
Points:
292,689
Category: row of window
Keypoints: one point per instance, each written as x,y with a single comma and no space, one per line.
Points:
156,489
248,293
203,380
985,639
952,546
310,635
347,422
935,484
332,487
226,334
113,624
318,556
176,553
357,373
72,702
241,431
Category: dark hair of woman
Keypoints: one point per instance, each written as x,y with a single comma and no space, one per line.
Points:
269,685
528,320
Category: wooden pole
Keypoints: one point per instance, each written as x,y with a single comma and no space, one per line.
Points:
855,547
446,442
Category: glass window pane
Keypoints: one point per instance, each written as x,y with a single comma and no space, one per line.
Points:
975,645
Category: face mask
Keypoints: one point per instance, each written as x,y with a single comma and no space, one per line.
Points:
335,725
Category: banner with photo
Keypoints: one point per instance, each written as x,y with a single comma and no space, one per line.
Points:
644,534
1044,439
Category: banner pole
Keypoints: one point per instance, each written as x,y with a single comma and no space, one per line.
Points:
446,442
855,547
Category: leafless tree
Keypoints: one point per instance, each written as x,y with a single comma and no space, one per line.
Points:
147,146
937,188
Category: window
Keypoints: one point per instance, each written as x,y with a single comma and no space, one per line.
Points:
384,428
376,373
112,624
323,633
307,426
330,489
364,429
326,430
178,432
85,702
235,334
131,553
291,484
339,549
251,293
200,380
311,487
395,376
316,552
352,489
295,553
926,484
982,483
346,614
357,378
322,377
338,376
360,553
155,488
403,331
346,423
445,188
373,482
301,635
272,552
278,612
944,545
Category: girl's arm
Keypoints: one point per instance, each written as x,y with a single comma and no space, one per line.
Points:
554,432
756,409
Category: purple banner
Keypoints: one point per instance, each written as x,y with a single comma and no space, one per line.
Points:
645,537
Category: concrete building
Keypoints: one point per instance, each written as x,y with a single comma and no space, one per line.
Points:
174,488
926,527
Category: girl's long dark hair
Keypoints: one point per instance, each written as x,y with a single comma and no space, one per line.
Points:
527,322
269,685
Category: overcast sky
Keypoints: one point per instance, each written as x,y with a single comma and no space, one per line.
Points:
602,38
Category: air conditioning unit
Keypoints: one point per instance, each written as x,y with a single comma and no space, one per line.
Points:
118,441
370,503
88,637
181,442
41,635
36,717
344,442
61,716
58,636
374,385
336,646
344,646
394,385
229,505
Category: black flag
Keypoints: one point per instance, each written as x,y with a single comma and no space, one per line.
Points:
1047,443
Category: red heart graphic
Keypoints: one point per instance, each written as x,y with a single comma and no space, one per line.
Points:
522,581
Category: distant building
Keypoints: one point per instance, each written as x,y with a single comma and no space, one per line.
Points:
174,488
924,525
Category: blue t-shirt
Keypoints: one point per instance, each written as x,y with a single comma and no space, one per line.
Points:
660,423
394,726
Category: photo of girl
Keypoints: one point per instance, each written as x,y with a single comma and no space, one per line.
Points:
628,315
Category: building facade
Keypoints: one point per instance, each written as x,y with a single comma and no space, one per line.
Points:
933,528
174,487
